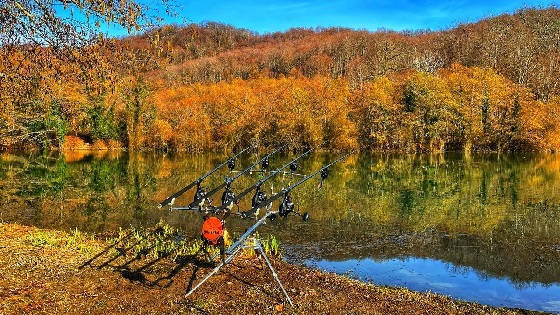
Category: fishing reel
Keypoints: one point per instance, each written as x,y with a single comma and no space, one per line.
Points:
228,196
231,164
293,166
324,174
287,206
265,163
199,196
258,198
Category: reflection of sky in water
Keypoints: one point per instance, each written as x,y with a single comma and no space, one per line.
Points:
464,283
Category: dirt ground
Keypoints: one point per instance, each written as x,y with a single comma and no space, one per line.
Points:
44,271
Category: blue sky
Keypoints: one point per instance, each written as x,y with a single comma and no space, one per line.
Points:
270,16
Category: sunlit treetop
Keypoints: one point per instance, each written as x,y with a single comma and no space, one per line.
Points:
63,23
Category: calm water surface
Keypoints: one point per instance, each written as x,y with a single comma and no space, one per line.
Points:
484,228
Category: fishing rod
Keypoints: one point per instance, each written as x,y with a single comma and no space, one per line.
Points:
229,162
202,196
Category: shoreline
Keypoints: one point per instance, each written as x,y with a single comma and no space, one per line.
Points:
40,273
118,151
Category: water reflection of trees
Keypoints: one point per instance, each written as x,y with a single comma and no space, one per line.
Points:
503,211
497,214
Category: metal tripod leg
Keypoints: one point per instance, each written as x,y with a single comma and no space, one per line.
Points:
227,260
259,247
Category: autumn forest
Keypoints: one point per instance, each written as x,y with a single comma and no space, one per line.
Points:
489,86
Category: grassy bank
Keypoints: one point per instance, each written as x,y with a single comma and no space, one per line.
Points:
43,271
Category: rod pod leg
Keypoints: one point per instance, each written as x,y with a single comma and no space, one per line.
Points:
274,274
216,269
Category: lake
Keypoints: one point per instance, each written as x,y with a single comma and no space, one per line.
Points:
482,228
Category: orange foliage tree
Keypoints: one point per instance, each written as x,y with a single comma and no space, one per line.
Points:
491,85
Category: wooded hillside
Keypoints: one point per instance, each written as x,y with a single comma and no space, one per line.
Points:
492,85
